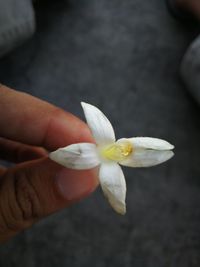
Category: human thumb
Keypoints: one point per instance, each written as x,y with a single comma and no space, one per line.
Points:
35,189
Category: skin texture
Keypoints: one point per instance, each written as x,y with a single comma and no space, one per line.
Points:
36,186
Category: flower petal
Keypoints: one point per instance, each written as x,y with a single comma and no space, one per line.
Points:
113,185
98,123
80,156
148,143
147,158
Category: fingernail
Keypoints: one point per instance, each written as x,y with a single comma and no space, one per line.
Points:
74,185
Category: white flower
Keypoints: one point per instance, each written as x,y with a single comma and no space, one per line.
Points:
109,153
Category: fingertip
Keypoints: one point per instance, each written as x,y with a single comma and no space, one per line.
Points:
64,129
73,185
45,124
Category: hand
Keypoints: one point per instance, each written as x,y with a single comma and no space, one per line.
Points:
36,186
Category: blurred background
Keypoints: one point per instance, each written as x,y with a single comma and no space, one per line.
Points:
124,57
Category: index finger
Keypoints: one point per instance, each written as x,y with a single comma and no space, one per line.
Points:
29,120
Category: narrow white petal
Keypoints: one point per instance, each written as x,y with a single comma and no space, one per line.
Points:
99,124
149,143
80,156
147,158
113,185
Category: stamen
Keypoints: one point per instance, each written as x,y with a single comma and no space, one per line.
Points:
117,151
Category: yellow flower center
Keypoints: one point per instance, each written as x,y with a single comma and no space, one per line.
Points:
117,151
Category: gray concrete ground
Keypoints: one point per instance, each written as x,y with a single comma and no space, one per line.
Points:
122,56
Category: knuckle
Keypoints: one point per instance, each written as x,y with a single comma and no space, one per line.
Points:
26,197
20,206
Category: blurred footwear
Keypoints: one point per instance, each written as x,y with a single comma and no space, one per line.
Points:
189,69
